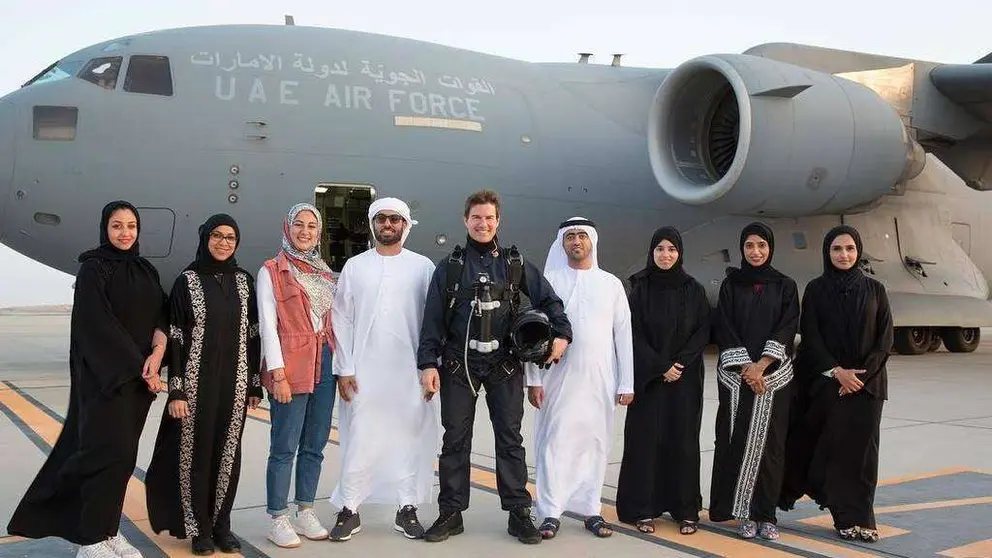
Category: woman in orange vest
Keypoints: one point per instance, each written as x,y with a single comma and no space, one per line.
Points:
295,290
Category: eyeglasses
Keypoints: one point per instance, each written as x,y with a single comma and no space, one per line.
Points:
217,237
381,219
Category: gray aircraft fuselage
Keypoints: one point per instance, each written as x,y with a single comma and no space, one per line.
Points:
260,116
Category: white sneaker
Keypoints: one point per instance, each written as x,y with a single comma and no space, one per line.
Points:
309,526
281,533
98,550
123,548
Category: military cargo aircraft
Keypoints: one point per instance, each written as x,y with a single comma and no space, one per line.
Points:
250,119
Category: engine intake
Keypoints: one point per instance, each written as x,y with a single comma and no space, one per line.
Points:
758,137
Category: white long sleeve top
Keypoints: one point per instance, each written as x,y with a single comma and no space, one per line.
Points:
268,320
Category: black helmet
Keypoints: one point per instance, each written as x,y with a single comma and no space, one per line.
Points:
531,336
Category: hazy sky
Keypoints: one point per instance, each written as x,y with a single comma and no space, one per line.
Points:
34,34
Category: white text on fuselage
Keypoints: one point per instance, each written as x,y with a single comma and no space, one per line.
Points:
459,99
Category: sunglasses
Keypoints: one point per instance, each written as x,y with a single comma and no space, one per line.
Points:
381,219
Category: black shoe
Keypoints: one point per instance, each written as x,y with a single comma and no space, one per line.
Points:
203,546
448,524
227,543
347,524
408,524
521,526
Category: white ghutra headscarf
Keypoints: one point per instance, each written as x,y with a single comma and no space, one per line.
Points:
558,259
392,204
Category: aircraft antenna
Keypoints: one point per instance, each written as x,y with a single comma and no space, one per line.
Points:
584,57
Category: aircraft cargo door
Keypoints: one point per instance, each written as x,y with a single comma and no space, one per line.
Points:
344,209
157,226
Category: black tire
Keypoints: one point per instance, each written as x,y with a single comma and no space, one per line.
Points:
934,344
912,340
961,339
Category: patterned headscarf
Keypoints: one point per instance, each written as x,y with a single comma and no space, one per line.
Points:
308,268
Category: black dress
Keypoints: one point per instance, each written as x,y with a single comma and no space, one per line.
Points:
193,477
670,319
833,441
757,315
118,304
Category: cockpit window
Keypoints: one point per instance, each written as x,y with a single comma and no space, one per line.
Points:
57,71
102,71
150,75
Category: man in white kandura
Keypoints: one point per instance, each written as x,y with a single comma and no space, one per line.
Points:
576,398
389,433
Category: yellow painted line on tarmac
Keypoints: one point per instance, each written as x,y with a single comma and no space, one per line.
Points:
935,505
925,476
886,531
827,522
135,503
980,549
811,544
825,519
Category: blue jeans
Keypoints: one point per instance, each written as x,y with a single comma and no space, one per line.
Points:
303,424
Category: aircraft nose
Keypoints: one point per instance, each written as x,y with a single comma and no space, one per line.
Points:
6,158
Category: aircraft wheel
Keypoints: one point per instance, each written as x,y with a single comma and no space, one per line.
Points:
961,339
912,340
934,344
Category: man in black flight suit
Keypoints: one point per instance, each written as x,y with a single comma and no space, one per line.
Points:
496,370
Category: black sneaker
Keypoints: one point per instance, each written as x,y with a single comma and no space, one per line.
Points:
448,524
347,524
521,526
203,546
227,543
408,524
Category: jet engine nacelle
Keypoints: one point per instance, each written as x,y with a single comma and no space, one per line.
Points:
754,136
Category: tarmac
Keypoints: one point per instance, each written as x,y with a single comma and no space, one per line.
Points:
934,497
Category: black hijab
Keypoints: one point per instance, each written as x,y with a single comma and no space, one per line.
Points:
106,250
847,289
748,274
664,278
131,283
205,263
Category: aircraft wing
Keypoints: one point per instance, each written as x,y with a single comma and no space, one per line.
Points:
969,85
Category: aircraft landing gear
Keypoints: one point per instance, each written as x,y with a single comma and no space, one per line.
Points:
961,339
912,340
919,340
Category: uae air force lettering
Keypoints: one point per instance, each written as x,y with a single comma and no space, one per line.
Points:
267,78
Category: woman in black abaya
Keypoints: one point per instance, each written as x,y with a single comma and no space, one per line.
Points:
670,321
213,379
116,345
846,331
756,324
